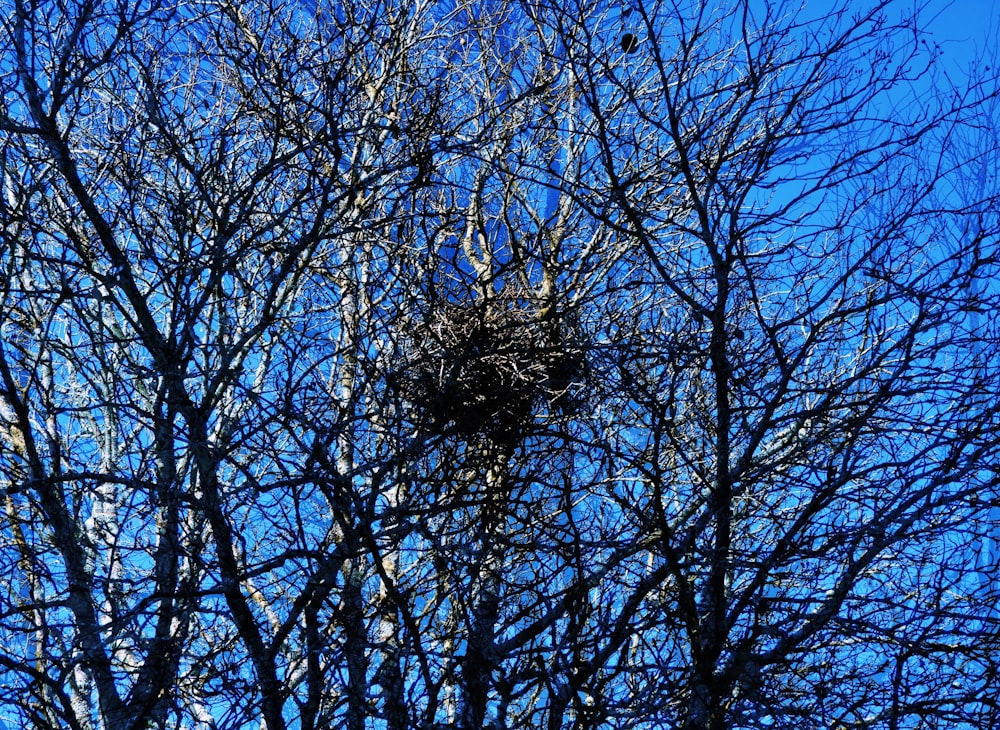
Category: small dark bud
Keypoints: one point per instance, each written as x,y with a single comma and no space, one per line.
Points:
629,43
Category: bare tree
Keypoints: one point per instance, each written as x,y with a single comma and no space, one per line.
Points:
814,416
495,364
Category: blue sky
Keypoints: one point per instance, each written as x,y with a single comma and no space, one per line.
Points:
966,30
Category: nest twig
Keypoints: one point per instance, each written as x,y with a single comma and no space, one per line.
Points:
487,367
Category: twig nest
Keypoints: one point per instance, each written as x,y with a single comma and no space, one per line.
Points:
488,367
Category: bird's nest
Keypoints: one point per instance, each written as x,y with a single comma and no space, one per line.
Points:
490,367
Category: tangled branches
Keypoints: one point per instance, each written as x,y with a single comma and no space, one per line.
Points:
487,367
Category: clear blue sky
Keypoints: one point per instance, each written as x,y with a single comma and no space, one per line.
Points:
966,30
